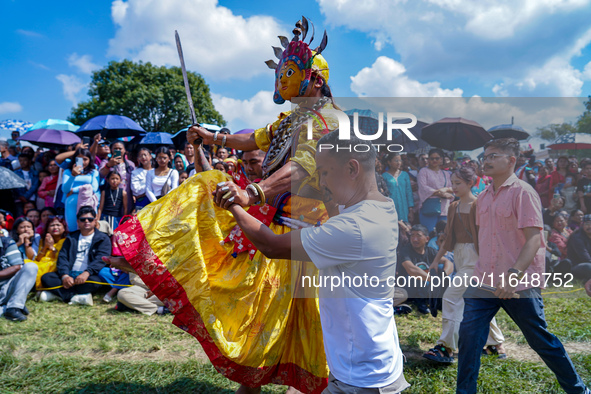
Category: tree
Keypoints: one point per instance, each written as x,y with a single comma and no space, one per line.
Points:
584,122
553,131
152,96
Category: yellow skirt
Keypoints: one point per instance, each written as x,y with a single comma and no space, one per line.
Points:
240,308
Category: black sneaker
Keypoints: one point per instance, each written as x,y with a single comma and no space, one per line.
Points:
423,308
14,314
119,307
25,311
402,309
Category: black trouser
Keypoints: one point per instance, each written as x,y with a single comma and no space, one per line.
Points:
52,279
582,272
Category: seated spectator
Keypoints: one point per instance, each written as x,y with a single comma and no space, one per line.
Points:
138,298
49,185
556,206
79,261
27,241
576,219
16,280
579,250
31,178
52,240
43,217
34,216
560,233
414,261
584,187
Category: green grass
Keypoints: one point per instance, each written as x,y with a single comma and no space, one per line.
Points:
74,349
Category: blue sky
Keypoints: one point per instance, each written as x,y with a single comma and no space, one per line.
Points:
427,48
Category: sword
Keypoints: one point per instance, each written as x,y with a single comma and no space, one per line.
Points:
187,89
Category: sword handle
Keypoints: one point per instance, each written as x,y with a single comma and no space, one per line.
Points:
199,140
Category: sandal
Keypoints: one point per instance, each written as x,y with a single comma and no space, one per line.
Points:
492,350
439,354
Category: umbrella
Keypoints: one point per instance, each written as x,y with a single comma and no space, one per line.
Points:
509,131
55,124
110,127
50,138
572,141
410,146
180,137
154,140
456,134
9,180
15,125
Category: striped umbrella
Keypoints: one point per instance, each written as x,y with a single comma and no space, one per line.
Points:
572,141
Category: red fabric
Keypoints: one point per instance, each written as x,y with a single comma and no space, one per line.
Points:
543,189
135,248
556,178
263,213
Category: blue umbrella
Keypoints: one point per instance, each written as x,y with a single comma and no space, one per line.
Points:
110,127
154,140
55,124
50,138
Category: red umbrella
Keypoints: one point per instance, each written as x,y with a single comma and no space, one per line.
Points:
572,141
456,134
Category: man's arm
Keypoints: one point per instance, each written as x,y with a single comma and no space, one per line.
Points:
103,250
63,267
413,270
244,142
528,252
282,180
270,244
14,257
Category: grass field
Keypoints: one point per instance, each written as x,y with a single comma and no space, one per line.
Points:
75,349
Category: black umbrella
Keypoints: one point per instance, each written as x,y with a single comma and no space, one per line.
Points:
509,131
409,145
456,134
9,180
110,127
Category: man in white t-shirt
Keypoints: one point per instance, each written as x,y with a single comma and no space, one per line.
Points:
357,248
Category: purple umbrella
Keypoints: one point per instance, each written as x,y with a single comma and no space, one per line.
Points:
50,138
244,131
456,134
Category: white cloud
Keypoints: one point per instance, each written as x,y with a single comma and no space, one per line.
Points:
83,63
29,33
484,41
216,43
253,113
10,107
72,86
388,78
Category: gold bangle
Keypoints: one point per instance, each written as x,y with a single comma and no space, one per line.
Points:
261,194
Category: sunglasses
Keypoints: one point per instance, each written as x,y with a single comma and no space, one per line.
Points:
85,219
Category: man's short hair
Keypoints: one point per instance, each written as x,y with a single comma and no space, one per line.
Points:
509,146
86,210
343,150
259,152
420,228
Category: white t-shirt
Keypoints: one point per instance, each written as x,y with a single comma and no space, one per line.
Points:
155,183
138,181
360,336
81,262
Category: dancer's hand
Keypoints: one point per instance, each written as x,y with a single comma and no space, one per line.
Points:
228,193
118,262
196,132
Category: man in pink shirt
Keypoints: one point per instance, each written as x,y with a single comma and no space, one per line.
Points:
509,215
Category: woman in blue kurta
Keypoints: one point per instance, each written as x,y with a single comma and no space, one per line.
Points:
75,177
399,186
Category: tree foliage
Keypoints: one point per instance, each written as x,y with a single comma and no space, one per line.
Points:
555,130
584,122
152,96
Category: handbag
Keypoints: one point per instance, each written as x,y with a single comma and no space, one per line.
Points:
166,187
432,206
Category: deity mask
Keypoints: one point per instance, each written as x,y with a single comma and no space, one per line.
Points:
296,63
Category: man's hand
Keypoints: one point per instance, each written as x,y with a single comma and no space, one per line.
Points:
67,281
195,132
588,287
82,278
507,291
228,193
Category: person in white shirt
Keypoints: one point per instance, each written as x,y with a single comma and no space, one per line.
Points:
138,178
162,175
360,336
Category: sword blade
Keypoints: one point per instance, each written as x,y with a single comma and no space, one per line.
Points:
185,79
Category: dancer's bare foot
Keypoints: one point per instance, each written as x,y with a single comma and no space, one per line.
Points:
119,262
248,390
